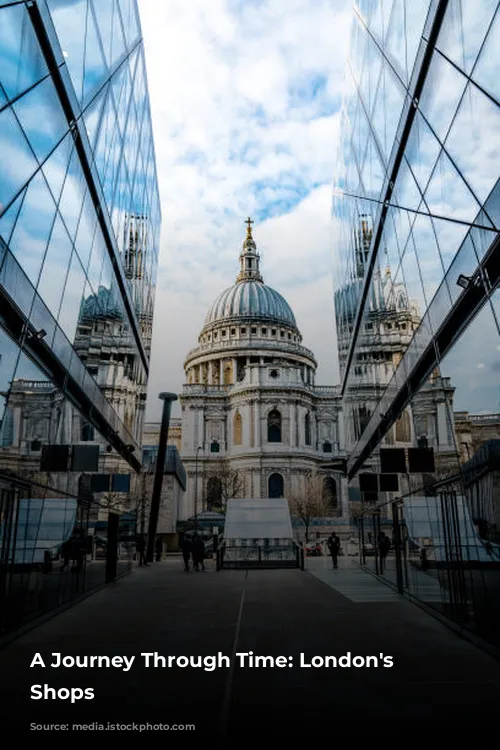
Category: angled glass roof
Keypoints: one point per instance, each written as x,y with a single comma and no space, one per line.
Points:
258,519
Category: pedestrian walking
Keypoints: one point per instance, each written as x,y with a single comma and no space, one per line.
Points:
141,550
198,552
334,548
187,549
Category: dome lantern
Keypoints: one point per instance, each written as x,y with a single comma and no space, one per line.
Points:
249,258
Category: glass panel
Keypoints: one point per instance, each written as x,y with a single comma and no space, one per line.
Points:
449,237
21,61
103,139
387,110
16,283
55,267
10,354
407,193
42,319
70,21
97,260
92,117
422,151
86,229
62,348
440,306
373,171
447,195
8,219
30,237
412,278
416,12
473,141
117,41
70,307
486,69
482,239
18,162
495,303
121,87
56,166
42,118
73,193
465,264
429,259
473,365
441,96
463,31
130,20
95,67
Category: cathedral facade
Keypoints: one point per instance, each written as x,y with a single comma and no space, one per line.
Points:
254,423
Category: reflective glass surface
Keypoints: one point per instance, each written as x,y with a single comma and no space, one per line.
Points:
79,235
417,294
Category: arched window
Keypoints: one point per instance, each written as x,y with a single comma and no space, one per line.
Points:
274,426
307,426
276,485
238,429
330,493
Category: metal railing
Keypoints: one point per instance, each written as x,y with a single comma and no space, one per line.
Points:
245,557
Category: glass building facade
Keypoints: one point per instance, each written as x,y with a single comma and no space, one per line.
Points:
416,213
79,236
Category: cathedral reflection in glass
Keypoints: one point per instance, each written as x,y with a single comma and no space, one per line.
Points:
416,213
79,236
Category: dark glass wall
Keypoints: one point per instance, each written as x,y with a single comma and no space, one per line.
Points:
79,236
417,273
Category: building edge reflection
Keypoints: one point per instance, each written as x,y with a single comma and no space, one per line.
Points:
417,302
79,239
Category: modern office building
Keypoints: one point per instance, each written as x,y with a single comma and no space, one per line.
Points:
79,237
417,263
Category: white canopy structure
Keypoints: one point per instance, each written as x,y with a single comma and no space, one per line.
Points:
258,519
259,533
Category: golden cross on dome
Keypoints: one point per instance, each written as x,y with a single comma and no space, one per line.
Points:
249,223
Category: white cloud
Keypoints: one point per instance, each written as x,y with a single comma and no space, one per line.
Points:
245,101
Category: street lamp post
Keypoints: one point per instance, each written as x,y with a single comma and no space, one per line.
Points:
199,448
167,399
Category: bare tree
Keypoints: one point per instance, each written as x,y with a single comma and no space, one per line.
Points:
223,484
314,502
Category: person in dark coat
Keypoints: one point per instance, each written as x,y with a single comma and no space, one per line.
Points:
384,545
187,549
334,548
159,548
141,550
198,552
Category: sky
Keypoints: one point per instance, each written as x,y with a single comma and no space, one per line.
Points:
245,99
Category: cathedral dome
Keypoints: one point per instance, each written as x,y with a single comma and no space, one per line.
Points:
249,297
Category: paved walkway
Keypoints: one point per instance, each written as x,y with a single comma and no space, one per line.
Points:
437,679
351,581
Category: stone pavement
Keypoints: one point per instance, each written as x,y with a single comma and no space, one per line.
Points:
438,680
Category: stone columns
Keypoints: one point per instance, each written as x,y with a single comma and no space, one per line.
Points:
256,406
